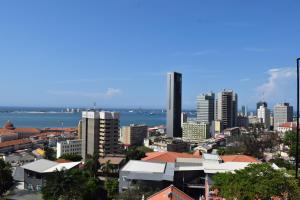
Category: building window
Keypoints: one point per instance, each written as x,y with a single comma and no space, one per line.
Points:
30,187
38,187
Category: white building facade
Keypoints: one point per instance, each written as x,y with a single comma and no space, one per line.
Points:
69,147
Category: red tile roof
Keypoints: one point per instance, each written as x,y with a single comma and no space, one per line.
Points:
14,142
62,161
167,156
288,125
170,193
27,130
239,158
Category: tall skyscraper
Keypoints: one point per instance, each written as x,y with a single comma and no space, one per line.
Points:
261,103
263,115
174,93
244,111
226,108
206,108
100,133
283,113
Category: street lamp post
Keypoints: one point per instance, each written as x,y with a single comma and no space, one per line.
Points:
297,128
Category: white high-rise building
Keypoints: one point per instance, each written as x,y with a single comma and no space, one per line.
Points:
283,113
263,115
206,108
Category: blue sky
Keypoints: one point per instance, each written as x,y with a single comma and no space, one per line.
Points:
117,53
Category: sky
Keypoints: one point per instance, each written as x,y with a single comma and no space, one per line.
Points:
117,52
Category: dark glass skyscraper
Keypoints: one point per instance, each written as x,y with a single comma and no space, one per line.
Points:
174,93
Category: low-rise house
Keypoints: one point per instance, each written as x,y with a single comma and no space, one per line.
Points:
148,173
170,193
193,175
167,156
35,173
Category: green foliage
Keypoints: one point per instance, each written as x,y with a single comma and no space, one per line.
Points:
71,157
6,179
137,152
73,184
107,168
257,181
111,186
49,153
92,164
280,162
290,140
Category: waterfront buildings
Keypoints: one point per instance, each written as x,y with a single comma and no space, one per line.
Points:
69,147
134,134
283,113
244,111
195,131
174,95
263,115
100,133
206,107
226,108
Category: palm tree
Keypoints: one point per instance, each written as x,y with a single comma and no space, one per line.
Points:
107,168
92,164
6,179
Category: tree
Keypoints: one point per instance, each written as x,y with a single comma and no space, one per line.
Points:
73,184
290,139
49,153
257,181
136,152
280,162
111,186
107,168
71,157
92,164
6,179
137,191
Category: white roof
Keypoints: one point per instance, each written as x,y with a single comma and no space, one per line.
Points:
145,167
207,156
44,166
212,168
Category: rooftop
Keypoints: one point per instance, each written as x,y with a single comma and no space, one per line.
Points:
145,167
14,142
168,193
167,156
239,158
45,166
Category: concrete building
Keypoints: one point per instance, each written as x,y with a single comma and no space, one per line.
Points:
174,93
100,133
134,134
283,113
216,127
69,147
195,132
206,108
242,121
263,115
226,108
184,118
35,173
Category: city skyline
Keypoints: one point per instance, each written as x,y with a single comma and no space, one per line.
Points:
118,54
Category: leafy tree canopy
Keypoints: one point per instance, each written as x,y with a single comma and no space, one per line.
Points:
6,179
71,157
257,181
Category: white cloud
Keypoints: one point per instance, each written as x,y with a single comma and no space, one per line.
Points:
109,93
280,85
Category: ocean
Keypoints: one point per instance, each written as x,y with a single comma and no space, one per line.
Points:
57,117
